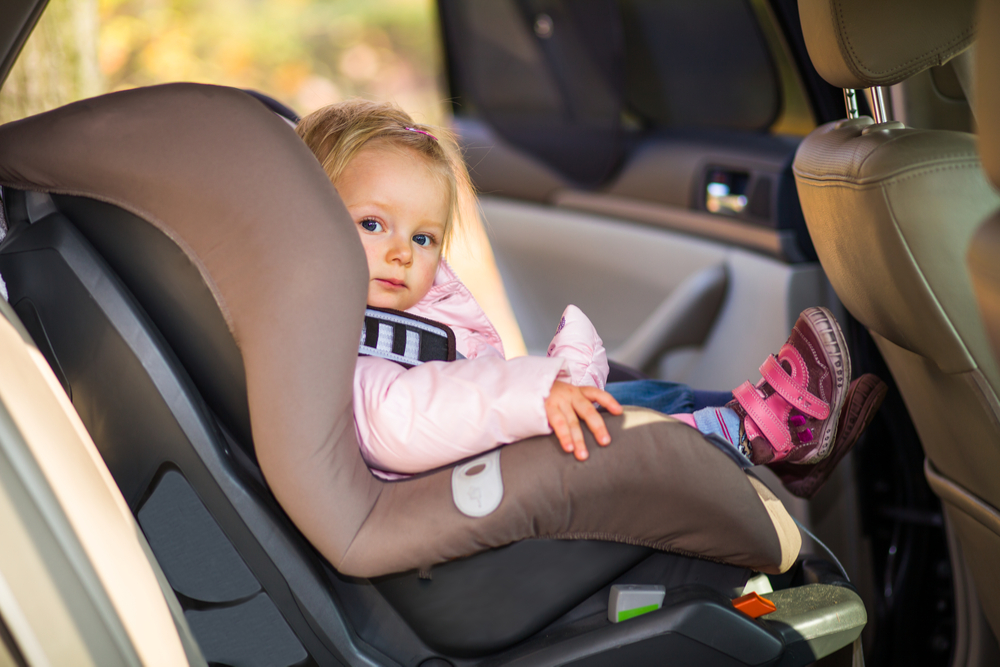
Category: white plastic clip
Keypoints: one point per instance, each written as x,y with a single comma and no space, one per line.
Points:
760,584
477,485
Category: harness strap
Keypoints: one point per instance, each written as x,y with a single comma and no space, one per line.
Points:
406,339
768,417
761,418
791,387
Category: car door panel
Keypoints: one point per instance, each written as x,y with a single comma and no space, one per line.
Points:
620,272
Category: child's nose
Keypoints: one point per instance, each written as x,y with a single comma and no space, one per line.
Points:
399,250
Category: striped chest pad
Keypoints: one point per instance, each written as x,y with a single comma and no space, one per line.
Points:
405,339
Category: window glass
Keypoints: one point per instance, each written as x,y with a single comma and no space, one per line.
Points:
305,53
58,63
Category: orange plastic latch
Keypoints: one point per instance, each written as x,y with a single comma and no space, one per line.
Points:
754,605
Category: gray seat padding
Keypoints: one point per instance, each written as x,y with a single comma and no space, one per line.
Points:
248,205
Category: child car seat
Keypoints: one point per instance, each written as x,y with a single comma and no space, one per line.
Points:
190,274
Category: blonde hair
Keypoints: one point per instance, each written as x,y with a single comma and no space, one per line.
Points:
336,133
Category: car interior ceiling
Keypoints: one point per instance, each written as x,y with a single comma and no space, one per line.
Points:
571,114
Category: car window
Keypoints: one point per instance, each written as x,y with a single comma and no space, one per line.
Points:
305,54
57,65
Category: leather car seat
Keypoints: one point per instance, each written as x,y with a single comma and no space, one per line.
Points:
891,211
984,251
183,263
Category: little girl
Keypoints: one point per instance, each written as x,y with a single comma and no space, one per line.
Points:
406,187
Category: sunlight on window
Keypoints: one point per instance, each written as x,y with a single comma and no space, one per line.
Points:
305,53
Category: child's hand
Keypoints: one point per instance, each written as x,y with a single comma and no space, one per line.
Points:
566,404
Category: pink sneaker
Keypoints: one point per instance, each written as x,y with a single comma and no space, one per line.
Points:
791,414
864,397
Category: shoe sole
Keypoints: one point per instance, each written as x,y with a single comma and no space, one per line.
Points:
825,328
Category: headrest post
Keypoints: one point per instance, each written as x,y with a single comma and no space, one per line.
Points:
851,102
877,100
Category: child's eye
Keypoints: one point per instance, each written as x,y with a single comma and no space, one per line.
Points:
371,225
423,239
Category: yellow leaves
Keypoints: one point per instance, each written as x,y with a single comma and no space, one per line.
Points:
57,65
307,53
236,59
116,43
289,77
170,56
360,62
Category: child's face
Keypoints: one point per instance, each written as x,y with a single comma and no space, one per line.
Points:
401,208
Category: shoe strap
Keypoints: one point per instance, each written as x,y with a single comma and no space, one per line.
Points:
794,388
762,420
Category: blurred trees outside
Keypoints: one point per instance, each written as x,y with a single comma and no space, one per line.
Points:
58,63
305,53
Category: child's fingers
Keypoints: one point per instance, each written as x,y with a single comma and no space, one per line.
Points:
566,426
560,427
576,433
604,399
585,408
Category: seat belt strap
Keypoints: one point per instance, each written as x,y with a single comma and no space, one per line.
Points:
406,339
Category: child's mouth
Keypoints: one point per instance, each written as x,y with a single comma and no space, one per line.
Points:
390,284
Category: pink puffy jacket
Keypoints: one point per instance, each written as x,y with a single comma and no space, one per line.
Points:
412,420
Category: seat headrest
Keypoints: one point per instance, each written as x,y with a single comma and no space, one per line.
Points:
988,98
865,43
250,206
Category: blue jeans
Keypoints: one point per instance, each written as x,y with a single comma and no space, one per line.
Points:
667,397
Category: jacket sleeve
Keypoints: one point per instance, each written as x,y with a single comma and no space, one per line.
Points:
413,420
576,341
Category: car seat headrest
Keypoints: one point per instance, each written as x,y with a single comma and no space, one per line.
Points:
988,98
233,186
860,43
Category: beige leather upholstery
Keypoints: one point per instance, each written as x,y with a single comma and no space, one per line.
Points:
984,267
246,201
865,43
981,538
984,252
892,212
987,77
